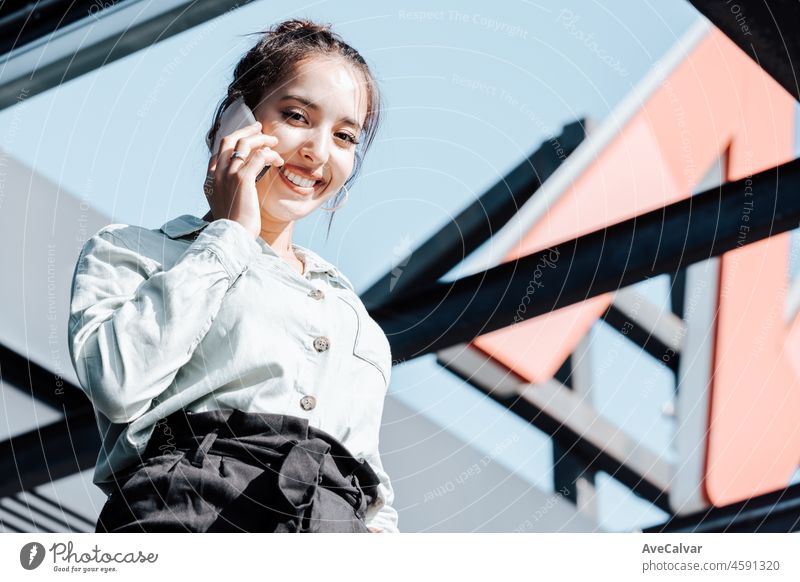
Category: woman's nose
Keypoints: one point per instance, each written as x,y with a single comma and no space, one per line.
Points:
316,148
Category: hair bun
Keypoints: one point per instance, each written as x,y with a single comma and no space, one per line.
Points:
301,24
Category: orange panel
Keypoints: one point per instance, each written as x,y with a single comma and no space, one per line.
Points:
754,436
696,112
531,348
639,171
628,178
716,98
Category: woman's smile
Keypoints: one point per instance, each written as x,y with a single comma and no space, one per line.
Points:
294,181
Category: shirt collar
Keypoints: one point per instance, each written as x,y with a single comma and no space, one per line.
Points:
187,224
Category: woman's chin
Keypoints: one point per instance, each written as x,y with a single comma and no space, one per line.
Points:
284,208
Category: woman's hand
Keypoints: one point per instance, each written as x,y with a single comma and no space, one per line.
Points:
374,529
230,184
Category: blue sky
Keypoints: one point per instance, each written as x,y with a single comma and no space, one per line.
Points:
469,88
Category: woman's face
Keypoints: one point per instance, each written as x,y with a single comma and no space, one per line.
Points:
316,116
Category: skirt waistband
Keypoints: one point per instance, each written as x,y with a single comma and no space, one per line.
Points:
261,438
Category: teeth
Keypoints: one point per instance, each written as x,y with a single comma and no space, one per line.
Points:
297,180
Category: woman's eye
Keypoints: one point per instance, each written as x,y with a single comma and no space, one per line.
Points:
297,116
291,115
348,137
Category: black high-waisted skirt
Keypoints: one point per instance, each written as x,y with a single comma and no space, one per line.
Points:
234,471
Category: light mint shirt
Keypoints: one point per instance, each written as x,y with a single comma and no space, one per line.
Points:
203,316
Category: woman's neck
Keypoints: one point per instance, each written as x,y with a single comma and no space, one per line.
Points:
277,236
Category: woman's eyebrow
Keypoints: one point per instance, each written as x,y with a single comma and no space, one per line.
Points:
311,105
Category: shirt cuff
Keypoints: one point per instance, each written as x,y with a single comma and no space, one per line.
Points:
385,518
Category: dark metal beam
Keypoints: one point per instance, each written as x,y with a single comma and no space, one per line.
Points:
478,222
8,526
26,518
23,21
765,30
46,386
124,41
664,240
774,512
54,451
548,410
49,453
642,338
57,507
34,511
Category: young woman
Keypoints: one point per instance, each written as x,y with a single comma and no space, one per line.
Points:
238,380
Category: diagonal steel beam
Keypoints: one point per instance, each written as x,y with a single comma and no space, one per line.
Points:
44,385
477,223
774,512
765,30
658,332
571,422
708,224
37,513
56,450
49,453
23,22
94,41
57,508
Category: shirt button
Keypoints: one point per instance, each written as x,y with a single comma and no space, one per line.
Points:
321,343
308,402
316,294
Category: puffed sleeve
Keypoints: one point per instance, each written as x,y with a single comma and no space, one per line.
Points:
381,513
133,326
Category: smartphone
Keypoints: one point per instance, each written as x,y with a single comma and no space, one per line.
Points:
236,116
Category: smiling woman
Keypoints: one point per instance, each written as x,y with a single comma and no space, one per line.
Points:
313,116
305,85
237,377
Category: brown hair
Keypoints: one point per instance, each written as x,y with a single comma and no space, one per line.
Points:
270,63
